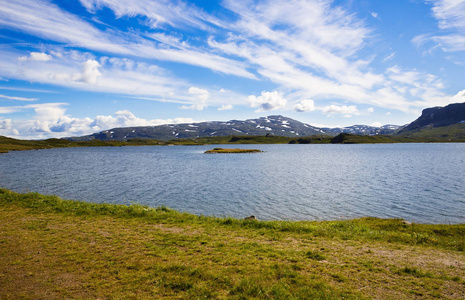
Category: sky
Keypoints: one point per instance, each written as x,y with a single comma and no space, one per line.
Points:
74,67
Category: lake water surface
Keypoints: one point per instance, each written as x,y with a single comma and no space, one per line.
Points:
422,183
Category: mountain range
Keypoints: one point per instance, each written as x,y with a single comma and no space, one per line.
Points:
276,125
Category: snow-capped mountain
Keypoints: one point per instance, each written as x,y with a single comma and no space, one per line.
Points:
272,125
363,130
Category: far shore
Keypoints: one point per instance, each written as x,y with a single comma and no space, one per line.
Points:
10,144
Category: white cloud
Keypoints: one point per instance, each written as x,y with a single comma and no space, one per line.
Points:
459,97
370,109
307,33
425,88
49,111
334,109
225,107
267,101
9,109
36,56
121,76
305,105
193,107
23,89
374,15
201,94
17,98
389,57
41,109
376,124
5,124
450,15
310,49
160,13
89,73
50,121
122,118
125,119
201,97
45,20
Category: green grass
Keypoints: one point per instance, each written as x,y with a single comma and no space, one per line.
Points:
54,249
222,150
10,144
451,133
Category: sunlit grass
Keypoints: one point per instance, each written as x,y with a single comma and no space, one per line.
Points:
53,248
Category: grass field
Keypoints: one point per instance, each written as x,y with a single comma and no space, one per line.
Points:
57,249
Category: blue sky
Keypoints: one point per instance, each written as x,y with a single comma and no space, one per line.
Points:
76,67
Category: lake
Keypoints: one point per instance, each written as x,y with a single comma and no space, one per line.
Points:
422,183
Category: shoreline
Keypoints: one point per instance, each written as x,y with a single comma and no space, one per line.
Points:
237,218
56,201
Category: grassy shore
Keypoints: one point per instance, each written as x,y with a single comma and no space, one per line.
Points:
456,134
10,144
56,249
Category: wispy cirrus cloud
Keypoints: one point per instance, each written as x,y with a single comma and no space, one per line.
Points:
310,49
42,109
78,70
159,13
114,75
451,21
449,13
307,49
45,20
18,98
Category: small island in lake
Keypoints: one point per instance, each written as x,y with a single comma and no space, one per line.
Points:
221,150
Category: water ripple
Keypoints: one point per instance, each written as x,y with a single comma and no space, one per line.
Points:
417,182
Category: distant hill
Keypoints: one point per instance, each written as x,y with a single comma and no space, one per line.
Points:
437,117
272,125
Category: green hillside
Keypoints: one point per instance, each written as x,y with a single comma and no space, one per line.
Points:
450,133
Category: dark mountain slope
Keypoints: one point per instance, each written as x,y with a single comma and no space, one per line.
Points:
437,117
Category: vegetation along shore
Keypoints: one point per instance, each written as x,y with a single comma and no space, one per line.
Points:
55,249
10,144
